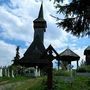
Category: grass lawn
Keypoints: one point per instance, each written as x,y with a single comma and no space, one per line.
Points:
77,83
6,80
60,83
21,83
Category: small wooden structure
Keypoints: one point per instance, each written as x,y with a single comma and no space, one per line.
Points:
87,54
50,54
67,56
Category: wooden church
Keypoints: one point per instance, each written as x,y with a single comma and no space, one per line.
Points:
32,56
36,54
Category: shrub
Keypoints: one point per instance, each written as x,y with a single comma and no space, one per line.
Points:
81,69
84,69
61,73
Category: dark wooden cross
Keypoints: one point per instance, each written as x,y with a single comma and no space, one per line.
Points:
49,54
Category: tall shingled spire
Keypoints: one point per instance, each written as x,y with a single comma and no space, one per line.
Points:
40,25
41,12
40,21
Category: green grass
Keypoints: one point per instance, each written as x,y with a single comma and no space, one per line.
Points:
22,83
85,68
59,83
61,73
78,83
31,84
5,80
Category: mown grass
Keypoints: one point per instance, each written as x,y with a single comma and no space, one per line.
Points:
5,80
60,83
31,84
22,83
76,83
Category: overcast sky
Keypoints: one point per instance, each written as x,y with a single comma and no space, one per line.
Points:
16,28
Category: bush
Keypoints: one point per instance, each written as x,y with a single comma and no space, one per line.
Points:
61,73
81,69
84,69
87,68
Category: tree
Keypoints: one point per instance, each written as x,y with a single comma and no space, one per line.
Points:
76,16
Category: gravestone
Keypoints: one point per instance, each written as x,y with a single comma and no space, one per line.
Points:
37,71
0,72
8,72
12,73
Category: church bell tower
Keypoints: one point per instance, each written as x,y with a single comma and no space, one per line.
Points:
32,56
39,25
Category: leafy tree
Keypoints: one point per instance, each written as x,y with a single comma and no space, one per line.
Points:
76,16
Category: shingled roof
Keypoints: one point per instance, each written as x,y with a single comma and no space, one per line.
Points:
68,55
36,45
33,53
87,50
40,15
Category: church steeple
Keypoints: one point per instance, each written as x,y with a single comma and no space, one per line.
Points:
41,12
40,25
40,21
